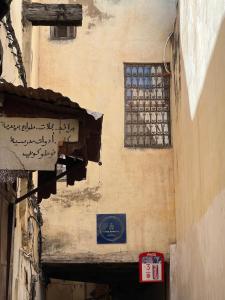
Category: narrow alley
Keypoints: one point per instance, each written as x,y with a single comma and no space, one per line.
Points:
112,158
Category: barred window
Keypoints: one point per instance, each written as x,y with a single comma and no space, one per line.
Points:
63,32
147,106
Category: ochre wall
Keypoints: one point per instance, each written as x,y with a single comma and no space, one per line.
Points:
137,182
199,158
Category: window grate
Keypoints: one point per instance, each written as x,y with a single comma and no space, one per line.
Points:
147,106
63,32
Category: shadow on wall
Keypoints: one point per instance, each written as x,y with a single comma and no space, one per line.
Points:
96,15
67,197
56,243
201,141
199,151
93,11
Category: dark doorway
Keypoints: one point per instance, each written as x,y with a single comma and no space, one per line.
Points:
121,278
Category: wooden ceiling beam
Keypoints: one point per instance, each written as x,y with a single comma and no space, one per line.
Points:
53,14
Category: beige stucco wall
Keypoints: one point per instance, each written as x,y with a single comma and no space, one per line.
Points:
137,182
199,159
34,63
31,53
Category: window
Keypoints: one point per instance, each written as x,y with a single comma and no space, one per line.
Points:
61,168
147,106
63,32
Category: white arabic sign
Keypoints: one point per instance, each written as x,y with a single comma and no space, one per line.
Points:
32,143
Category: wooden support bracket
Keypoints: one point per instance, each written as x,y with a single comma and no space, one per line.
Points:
53,14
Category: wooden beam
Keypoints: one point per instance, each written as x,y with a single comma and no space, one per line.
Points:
53,14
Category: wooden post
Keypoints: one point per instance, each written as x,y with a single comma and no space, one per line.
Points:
53,14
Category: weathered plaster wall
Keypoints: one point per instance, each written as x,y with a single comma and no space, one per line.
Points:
34,63
199,158
137,182
26,279
31,46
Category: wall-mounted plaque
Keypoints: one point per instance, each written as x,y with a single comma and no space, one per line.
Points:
111,228
151,267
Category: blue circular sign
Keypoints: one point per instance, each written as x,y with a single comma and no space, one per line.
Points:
111,228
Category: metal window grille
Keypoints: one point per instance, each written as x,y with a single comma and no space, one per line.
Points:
63,32
147,106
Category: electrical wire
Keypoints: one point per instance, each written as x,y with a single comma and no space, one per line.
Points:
164,52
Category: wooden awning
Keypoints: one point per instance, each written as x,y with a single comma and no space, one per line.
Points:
17,102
